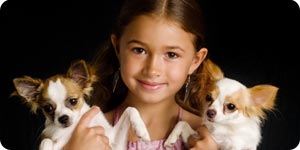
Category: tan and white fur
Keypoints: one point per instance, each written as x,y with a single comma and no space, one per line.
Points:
62,99
233,113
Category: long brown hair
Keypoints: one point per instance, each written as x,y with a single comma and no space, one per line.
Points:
186,13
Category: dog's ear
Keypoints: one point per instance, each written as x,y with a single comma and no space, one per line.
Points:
212,70
29,89
79,72
263,95
262,99
210,74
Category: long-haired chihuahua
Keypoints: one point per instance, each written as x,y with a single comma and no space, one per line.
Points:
62,99
233,113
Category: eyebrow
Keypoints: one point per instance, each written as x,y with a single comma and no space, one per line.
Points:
136,41
175,47
142,43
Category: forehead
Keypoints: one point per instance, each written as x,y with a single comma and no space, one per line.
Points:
58,89
156,29
229,86
55,90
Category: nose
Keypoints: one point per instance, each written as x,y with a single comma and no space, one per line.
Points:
211,113
63,119
153,66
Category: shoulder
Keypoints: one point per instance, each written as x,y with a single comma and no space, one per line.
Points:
194,120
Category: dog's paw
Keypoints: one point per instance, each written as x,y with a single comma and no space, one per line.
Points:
171,140
141,131
47,144
173,137
138,125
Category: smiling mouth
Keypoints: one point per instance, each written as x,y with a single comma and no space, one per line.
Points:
151,85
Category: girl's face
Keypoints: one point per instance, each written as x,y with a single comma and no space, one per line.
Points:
156,55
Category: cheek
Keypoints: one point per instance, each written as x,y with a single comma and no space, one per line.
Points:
177,77
179,68
130,68
129,64
176,73
129,61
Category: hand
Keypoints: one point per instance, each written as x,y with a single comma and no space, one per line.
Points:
206,142
88,138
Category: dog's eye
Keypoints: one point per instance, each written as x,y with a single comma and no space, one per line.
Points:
208,98
73,101
230,106
48,108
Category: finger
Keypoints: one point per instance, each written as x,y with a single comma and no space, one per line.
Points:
192,140
98,130
205,141
104,139
88,116
203,131
106,147
202,134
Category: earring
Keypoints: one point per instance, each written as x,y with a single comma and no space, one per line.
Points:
116,79
187,88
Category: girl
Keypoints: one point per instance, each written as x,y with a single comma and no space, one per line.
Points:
156,47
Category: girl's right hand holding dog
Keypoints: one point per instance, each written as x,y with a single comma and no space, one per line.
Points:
88,138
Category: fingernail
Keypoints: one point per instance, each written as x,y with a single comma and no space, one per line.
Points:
196,136
95,107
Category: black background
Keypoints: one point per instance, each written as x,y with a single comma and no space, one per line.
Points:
255,42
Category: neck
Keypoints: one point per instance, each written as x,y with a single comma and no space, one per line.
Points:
149,111
159,117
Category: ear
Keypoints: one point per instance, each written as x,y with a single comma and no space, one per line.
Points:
263,96
115,44
198,59
212,70
28,88
79,72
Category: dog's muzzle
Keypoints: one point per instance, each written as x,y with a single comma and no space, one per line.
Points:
64,121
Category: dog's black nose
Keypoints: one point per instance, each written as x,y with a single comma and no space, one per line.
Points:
211,113
63,119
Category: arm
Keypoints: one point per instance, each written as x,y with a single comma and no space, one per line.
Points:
88,138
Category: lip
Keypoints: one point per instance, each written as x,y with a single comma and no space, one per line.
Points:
151,85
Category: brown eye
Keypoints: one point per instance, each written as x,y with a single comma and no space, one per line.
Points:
73,101
230,106
139,50
208,98
48,108
172,55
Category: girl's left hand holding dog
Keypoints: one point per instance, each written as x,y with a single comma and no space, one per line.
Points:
205,143
88,138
